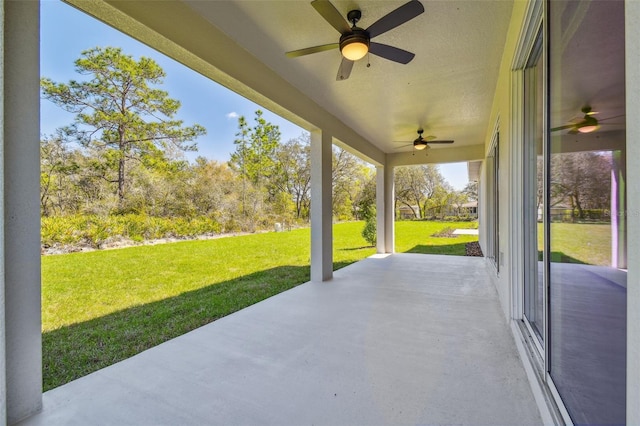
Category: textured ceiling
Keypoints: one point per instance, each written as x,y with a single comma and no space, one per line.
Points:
447,89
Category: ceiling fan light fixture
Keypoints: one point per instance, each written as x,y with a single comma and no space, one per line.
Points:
354,46
588,129
420,145
589,124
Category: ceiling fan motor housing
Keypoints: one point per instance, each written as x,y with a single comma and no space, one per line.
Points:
420,144
357,35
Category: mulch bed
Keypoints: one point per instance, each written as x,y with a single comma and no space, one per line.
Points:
473,249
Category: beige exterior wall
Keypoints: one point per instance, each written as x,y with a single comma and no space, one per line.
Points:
632,40
501,112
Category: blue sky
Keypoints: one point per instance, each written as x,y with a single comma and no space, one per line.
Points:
66,32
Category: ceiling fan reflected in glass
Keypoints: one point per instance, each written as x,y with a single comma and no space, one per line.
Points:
422,143
586,124
355,42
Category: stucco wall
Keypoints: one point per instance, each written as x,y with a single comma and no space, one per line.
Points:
501,112
632,40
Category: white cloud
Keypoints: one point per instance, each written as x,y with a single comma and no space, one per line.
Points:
232,114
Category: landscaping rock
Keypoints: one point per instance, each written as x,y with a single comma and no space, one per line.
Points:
473,249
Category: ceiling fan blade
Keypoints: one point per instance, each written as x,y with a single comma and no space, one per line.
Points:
611,118
344,71
568,126
331,15
444,141
391,53
404,13
403,146
310,50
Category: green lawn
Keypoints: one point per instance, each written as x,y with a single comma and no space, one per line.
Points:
588,243
105,306
416,237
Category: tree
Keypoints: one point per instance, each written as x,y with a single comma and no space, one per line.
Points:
348,175
58,165
440,200
120,115
293,172
471,191
417,185
458,199
254,157
365,200
213,188
582,180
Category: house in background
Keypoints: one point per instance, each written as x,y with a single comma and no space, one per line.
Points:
470,208
408,212
513,83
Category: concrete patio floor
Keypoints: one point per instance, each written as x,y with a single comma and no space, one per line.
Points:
399,339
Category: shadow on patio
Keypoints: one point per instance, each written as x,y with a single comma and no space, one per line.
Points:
396,339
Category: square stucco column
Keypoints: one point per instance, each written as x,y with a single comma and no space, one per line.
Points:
380,211
20,210
632,55
618,210
389,210
321,211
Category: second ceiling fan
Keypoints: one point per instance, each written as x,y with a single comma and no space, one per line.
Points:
421,142
356,42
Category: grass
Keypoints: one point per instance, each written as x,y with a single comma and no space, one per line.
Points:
416,237
105,306
586,243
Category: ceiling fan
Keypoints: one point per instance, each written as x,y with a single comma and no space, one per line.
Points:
356,42
422,143
586,124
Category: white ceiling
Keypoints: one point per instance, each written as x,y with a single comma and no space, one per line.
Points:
447,89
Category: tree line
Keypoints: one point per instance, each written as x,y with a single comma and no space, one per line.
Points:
125,153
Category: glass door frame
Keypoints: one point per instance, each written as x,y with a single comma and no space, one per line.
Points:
538,353
530,183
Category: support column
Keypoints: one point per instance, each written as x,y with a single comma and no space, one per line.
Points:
20,192
618,210
389,210
381,224
321,211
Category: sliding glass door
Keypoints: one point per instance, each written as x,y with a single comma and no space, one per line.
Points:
574,206
585,210
582,298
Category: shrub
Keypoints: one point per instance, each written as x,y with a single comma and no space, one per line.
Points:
94,229
369,233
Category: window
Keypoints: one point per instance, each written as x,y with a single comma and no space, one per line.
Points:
493,203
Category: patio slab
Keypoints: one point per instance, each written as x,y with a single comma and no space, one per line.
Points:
398,339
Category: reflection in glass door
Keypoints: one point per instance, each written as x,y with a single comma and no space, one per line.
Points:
586,189
534,190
